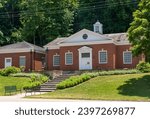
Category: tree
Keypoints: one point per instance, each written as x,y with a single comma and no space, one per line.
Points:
115,15
9,21
45,20
139,31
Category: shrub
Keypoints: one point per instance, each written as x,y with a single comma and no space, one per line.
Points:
143,67
9,70
75,80
35,80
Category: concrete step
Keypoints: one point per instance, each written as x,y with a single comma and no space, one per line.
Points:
46,88
51,84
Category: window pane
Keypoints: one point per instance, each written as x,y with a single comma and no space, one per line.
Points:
8,60
56,60
85,55
97,29
127,57
69,59
103,57
22,61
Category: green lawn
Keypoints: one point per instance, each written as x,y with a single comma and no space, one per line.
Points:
9,81
132,87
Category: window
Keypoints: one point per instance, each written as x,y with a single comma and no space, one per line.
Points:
69,58
85,36
97,29
22,61
8,62
56,60
102,57
127,57
85,55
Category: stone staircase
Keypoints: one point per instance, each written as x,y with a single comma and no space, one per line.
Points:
50,85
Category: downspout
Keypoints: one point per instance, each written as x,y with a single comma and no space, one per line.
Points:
30,59
46,58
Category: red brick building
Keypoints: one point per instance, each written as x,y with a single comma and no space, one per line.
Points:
87,50
22,54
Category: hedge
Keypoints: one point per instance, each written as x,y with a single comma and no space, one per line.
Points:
75,80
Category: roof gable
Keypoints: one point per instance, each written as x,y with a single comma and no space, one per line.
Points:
91,36
21,46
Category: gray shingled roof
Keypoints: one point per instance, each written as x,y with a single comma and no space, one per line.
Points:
55,42
118,37
22,45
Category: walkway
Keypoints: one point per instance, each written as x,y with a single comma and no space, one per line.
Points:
21,98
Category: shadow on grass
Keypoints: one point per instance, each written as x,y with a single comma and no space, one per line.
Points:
136,87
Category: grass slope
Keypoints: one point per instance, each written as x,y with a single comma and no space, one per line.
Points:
132,87
9,81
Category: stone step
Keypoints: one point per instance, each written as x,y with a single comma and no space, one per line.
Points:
51,88
54,86
46,90
50,85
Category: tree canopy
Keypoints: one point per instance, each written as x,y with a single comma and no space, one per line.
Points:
39,21
139,31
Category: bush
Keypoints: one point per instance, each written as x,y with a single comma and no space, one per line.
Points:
36,79
75,80
143,67
9,70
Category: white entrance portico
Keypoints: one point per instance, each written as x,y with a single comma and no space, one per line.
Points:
85,58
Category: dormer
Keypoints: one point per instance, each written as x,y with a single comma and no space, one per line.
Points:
98,27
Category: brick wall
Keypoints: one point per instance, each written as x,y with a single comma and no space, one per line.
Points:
114,53
31,64
49,59
119,61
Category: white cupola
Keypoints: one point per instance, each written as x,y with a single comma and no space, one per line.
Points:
98,27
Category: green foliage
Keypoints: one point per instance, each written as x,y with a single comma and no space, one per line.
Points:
115,15
48,19
143,67
139,31
75,80
35,80
19,82
9,21
9,70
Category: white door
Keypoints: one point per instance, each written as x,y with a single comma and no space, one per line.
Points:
8,62
85,61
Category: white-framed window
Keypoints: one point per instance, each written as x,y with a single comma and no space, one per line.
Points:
127,57
97,29
85,55
68,58
103,57
56,60
22,61
8,62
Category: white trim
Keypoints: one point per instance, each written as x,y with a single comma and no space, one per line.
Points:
123,57
85,49
22,57
6,59
87,43
53,60
66,59
85,31
20,50
99,56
